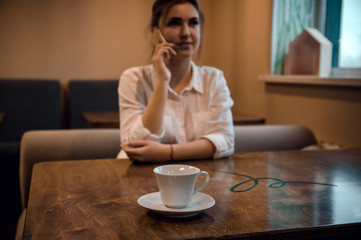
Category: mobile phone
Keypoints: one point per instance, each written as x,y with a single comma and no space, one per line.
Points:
158,36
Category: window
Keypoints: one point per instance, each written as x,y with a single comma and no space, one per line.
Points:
338,20
350,34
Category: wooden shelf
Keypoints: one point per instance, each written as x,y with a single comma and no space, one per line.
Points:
311,80
110,119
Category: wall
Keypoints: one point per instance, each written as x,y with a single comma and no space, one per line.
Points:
242,39
99,39
72,39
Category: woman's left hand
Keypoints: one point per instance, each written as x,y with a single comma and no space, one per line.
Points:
147,151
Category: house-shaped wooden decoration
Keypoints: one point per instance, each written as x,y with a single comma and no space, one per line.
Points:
310,53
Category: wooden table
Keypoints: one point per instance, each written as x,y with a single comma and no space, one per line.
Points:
110,119
107,119
97,199
246,119
2,116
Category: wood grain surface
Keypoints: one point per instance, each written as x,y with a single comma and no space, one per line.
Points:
97,199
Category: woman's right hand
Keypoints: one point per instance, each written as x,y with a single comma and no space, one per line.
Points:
153,115
161,56
147,151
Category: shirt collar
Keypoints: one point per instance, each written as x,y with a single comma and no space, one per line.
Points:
196,81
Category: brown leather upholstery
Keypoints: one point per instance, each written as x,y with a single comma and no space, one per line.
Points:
259,138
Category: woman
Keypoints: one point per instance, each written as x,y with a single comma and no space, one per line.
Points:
173,109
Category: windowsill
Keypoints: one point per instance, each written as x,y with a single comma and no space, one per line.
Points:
311,80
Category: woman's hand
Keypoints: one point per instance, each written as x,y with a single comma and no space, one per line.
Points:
147,151
153,115
161,56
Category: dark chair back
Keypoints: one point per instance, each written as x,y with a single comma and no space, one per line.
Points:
28,105
91,96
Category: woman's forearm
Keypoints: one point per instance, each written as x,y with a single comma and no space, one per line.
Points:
154,113
150,151
198,149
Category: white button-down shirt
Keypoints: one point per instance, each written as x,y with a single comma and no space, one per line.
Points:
201,110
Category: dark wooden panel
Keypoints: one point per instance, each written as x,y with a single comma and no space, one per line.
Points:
108,119
2,116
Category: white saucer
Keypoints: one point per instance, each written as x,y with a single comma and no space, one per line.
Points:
200,202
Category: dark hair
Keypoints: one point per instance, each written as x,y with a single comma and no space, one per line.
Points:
162,7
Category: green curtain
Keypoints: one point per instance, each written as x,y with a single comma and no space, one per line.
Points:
291,18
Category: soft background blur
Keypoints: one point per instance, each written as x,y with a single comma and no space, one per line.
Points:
98,39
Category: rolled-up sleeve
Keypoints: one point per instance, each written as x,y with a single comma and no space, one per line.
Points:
219,127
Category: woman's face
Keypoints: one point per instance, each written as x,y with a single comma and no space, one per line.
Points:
182,28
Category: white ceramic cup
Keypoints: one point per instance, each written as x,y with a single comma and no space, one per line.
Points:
176,184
